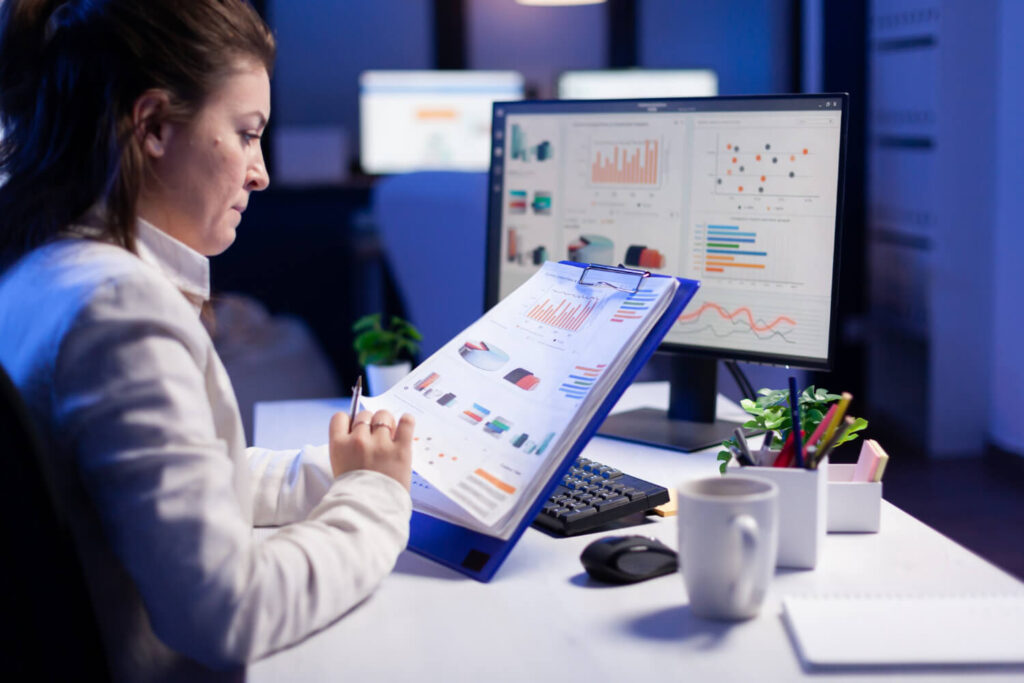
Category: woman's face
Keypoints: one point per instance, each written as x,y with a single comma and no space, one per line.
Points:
204,170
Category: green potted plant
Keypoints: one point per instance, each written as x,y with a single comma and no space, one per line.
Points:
385,351
771,412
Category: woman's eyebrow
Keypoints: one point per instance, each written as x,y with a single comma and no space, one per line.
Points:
262,117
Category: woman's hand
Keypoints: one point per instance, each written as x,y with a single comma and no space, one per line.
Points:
374,443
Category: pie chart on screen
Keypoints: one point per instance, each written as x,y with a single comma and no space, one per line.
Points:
483,355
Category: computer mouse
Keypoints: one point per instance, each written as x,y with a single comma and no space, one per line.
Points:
628,559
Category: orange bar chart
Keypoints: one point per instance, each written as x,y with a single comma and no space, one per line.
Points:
563,315
626,164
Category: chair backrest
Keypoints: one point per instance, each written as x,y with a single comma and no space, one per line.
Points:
433,226
50,624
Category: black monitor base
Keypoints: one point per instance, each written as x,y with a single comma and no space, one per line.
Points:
654,428
690,423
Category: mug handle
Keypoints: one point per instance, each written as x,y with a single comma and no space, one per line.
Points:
750,539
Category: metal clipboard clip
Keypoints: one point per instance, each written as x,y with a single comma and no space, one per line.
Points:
622,278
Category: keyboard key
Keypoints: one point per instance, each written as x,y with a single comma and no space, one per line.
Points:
577,515
613,503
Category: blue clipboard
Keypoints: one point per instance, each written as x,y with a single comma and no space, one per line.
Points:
478,555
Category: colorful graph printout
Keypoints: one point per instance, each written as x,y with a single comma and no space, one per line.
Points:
475,414
565,315
524,379
426,381
579,382
483,355
633,307
497,427
545,443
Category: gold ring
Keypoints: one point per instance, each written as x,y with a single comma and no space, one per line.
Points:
380,424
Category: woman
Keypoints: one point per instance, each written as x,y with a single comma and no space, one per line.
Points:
131,148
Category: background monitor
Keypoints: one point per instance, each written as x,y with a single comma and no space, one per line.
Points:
637,83
429,120
741,193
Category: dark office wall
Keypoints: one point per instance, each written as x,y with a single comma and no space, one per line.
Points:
323,46
748,42
1007,427
540,42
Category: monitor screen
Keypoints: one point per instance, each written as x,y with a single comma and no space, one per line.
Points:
637,83
429,120
741,193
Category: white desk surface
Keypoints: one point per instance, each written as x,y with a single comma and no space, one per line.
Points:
542,616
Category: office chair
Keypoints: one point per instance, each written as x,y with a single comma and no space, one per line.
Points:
49,620
433,226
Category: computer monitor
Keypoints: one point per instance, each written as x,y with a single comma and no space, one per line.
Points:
741,193
429,120
623,84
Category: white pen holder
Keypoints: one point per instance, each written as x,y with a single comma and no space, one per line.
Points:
852,505
803,511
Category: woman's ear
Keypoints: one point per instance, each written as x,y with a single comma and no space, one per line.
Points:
149,119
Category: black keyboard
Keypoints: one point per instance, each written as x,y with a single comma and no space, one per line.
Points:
592,495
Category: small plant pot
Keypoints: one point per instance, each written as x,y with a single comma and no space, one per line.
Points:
382,377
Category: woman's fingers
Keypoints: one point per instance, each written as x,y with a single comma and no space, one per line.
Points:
382,425
404,431
363,419
339,424
374,442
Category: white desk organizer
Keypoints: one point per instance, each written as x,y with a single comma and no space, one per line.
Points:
852,505
803,509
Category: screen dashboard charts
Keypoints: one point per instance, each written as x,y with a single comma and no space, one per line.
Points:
744,201
429,120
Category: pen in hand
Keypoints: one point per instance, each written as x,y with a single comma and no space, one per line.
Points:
357,393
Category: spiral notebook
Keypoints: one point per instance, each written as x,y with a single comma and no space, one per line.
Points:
862,631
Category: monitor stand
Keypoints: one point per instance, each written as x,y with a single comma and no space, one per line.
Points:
689,424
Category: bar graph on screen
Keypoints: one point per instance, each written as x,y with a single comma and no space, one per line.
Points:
629,163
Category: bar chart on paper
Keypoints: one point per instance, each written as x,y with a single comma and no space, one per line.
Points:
569,312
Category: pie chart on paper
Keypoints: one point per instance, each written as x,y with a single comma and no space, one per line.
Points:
483,355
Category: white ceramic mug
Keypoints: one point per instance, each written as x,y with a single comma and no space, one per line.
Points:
728,540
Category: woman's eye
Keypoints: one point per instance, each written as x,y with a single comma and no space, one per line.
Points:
250,137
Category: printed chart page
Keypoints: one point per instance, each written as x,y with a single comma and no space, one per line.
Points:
498,405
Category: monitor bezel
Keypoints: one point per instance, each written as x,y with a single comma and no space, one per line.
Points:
788,102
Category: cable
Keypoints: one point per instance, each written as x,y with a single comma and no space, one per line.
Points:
746,388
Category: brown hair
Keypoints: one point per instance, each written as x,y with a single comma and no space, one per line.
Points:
70,74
